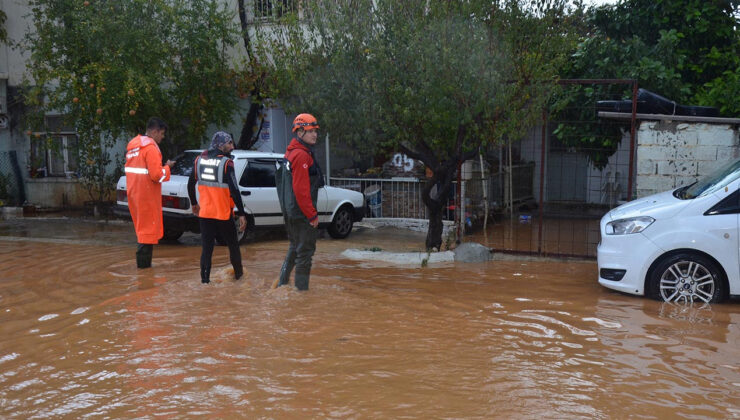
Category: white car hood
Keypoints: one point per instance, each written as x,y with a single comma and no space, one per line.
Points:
658,206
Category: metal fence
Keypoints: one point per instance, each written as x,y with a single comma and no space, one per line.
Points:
12,189
542,195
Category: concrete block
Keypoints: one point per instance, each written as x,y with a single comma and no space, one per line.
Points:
717,135
680,181
656,183
700,153
725,154
656,153
647,167
646,138
644,192
678,168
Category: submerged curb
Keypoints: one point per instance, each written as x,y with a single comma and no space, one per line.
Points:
402,258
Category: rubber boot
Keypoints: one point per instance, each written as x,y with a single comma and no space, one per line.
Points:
238,272
205,275
144,255
285,272
301,279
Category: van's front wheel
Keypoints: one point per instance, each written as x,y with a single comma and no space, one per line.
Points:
687,277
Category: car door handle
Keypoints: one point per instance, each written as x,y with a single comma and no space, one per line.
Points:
246,193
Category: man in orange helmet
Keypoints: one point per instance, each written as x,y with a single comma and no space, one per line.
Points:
144,177
298,181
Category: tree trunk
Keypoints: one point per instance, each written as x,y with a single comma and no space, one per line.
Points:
435,200
249,135
434,233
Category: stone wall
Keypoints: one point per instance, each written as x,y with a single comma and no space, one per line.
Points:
672,153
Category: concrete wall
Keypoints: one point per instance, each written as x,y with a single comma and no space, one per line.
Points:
55,192
672,153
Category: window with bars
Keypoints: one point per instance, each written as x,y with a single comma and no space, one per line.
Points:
54,153
273,9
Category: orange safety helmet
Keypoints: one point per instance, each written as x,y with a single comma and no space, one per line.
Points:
305,121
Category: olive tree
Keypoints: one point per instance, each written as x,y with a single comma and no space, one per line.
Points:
108,66
436,79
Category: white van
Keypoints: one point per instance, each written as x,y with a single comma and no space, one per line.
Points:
676,246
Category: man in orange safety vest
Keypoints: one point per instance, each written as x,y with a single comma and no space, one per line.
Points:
144,177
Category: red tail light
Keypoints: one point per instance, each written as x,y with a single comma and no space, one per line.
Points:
121,195
180,203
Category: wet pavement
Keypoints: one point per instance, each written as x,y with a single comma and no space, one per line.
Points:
87,335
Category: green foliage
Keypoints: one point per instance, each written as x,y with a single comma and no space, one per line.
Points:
110,65
436,79
685,50
387,74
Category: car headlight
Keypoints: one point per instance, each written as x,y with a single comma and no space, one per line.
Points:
627,226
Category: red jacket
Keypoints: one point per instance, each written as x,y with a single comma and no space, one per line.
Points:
144,177
300,160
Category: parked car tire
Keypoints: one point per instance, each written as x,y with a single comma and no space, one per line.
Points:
341,225
172,234
687,277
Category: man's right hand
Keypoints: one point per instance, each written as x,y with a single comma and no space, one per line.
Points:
315,222
196,209
170,163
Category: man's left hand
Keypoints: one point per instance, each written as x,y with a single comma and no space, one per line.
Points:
242,223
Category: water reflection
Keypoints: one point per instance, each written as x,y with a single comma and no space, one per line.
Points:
86,334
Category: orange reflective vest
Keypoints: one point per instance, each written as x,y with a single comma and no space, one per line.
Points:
144,177
215,200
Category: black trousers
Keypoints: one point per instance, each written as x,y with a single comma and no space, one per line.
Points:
224,229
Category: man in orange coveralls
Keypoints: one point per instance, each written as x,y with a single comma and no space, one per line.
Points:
144,177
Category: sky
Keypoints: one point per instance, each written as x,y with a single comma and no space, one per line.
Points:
599,2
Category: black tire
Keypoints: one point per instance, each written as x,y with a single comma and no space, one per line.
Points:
614,106
697,111
171,234
687,277
656,104
341,225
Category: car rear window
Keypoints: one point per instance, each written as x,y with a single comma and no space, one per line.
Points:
184,164
259,173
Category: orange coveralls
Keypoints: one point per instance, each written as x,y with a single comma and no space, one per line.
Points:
144,177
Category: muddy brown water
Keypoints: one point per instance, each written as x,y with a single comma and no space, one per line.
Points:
87,335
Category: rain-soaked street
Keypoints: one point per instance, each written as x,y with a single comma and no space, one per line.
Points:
87,335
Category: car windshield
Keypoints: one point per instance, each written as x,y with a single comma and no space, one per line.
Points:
184,164
711,183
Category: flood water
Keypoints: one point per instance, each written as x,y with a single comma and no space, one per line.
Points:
87,335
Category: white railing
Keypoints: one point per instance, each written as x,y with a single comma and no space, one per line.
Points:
395,197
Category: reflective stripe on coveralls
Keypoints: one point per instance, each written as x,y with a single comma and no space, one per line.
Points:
215,198
143,161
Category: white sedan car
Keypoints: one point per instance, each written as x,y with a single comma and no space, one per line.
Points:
338,208
676,246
